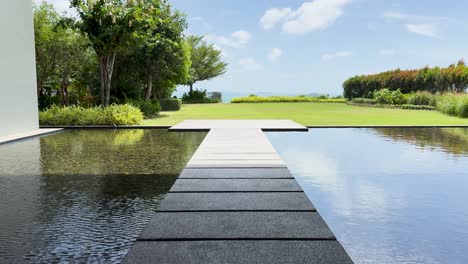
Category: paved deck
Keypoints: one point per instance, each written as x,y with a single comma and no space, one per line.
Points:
29,134
236,202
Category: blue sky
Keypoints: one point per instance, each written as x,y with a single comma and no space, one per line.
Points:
300,47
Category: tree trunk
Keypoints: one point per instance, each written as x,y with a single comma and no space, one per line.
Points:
191,87
106,66
149,86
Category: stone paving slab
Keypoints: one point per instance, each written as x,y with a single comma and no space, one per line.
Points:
238,251
238,124
235,163
236,173
257,156
236,225
236,185
235,201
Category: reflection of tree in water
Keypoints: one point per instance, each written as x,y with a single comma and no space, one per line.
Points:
99,188
123,152
451,140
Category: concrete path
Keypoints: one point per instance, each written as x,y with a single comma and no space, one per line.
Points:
236,202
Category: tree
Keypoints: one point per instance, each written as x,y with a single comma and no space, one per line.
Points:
164,55
63,54
206,61
109,25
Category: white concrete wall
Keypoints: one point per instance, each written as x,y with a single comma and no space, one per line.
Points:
18,95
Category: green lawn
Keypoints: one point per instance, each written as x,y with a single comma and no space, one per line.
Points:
308,114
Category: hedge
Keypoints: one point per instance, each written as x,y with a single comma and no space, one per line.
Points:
149,108
453,78
286,99
404,106
170,104
75,115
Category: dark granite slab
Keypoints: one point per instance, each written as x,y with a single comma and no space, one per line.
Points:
236,173
238,251
236,225
235,185
235,201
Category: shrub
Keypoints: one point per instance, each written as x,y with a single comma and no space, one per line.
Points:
198,97
453,104
385,96
170,104
75,115
417,107
149,108
421,98
285,99
363,101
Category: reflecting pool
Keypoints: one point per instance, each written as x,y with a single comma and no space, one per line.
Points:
84,195
390,195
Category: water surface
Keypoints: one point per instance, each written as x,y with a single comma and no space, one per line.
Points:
390,195
84,195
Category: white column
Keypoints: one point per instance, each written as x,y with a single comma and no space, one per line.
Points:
18,94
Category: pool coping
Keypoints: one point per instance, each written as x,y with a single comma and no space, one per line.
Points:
29,134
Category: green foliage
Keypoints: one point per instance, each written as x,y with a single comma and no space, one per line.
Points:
150,108
286,99
198,97
385,96
417,107
453,104
422,98
65,63
206,61
172,104
363,101
76,115
454,78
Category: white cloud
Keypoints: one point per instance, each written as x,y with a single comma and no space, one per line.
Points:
310,16
412,17
428,30
338,54
274,54
235,40
315,15
274,16
387,52
249,64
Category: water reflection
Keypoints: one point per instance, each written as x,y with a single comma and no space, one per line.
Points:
388,199
84,196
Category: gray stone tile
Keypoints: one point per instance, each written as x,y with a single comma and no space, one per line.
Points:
243,251
235,185
236,173
236,225
235,201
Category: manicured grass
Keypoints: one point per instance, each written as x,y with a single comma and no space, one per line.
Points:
308,114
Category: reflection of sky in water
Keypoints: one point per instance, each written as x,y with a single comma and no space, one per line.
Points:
387,201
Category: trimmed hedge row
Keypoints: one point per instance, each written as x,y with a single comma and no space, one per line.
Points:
170,104
286,99
75,115
150,109
404,106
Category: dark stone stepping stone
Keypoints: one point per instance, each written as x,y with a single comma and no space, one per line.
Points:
236,185
238,251
236,225
236,173
235,201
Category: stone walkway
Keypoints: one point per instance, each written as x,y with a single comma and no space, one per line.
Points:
236,202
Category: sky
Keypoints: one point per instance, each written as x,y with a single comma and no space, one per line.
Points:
296,47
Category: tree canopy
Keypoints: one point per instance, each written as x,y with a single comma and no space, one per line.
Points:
206,61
